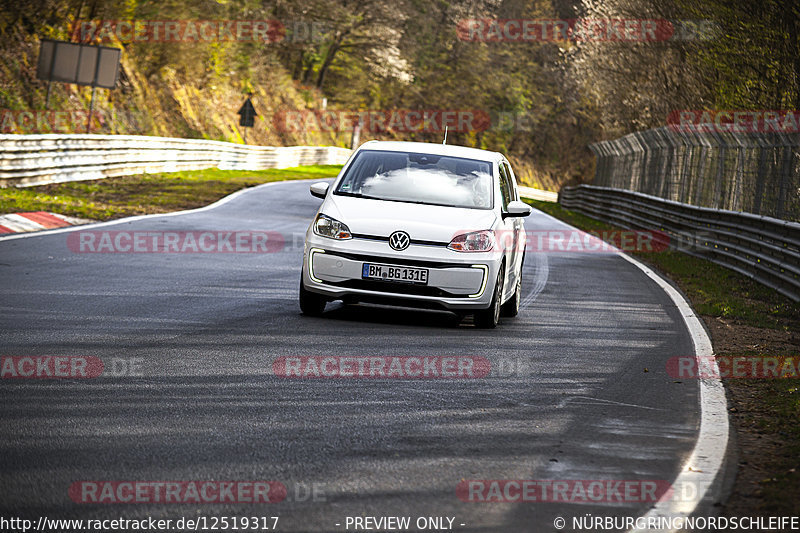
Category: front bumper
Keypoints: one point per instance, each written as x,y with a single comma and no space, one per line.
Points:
456,281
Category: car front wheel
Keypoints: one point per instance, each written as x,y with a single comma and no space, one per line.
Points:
488,318
511,307
311,304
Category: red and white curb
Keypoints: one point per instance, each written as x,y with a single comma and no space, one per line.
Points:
36,221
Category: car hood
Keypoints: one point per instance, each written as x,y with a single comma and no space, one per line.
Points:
380,218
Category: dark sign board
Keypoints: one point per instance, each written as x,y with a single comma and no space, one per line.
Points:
84,64
247,114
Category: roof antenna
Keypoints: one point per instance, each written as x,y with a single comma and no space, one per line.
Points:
445,135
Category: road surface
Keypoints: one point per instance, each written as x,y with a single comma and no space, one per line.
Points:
583,394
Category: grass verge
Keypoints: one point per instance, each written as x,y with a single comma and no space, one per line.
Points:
744,318
143,194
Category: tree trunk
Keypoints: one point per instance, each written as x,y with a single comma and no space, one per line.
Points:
327,63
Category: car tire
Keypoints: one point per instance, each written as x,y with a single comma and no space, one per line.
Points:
311,304
488,318
511,307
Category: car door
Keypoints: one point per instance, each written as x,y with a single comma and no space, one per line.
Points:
510,228
520,226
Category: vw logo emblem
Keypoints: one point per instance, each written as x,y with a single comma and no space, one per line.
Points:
399,240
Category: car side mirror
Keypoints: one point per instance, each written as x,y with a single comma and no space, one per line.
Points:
517,209
320,190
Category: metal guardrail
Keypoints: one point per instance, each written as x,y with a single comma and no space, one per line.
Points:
27,160
705,166
762,248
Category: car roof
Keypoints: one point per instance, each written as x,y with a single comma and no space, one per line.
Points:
432,148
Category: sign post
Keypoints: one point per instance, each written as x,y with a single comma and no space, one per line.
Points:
247,115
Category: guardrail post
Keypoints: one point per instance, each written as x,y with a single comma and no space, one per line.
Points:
760,178
718,185
786,171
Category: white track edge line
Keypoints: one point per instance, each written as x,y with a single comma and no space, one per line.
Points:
704,464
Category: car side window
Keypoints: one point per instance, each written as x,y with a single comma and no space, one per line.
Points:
510,177
504,189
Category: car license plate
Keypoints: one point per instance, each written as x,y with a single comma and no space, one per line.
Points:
395,273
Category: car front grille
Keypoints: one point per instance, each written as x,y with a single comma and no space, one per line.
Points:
395,288
395,260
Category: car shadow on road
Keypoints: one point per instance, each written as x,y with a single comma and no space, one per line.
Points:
405,316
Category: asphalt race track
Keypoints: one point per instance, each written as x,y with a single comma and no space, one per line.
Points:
578,388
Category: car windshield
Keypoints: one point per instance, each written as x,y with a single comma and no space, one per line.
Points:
419,178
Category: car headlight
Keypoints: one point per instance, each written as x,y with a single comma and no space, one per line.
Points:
326,226
477,241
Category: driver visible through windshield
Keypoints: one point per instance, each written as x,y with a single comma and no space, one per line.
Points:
419,178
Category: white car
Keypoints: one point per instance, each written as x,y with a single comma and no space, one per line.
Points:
418,225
